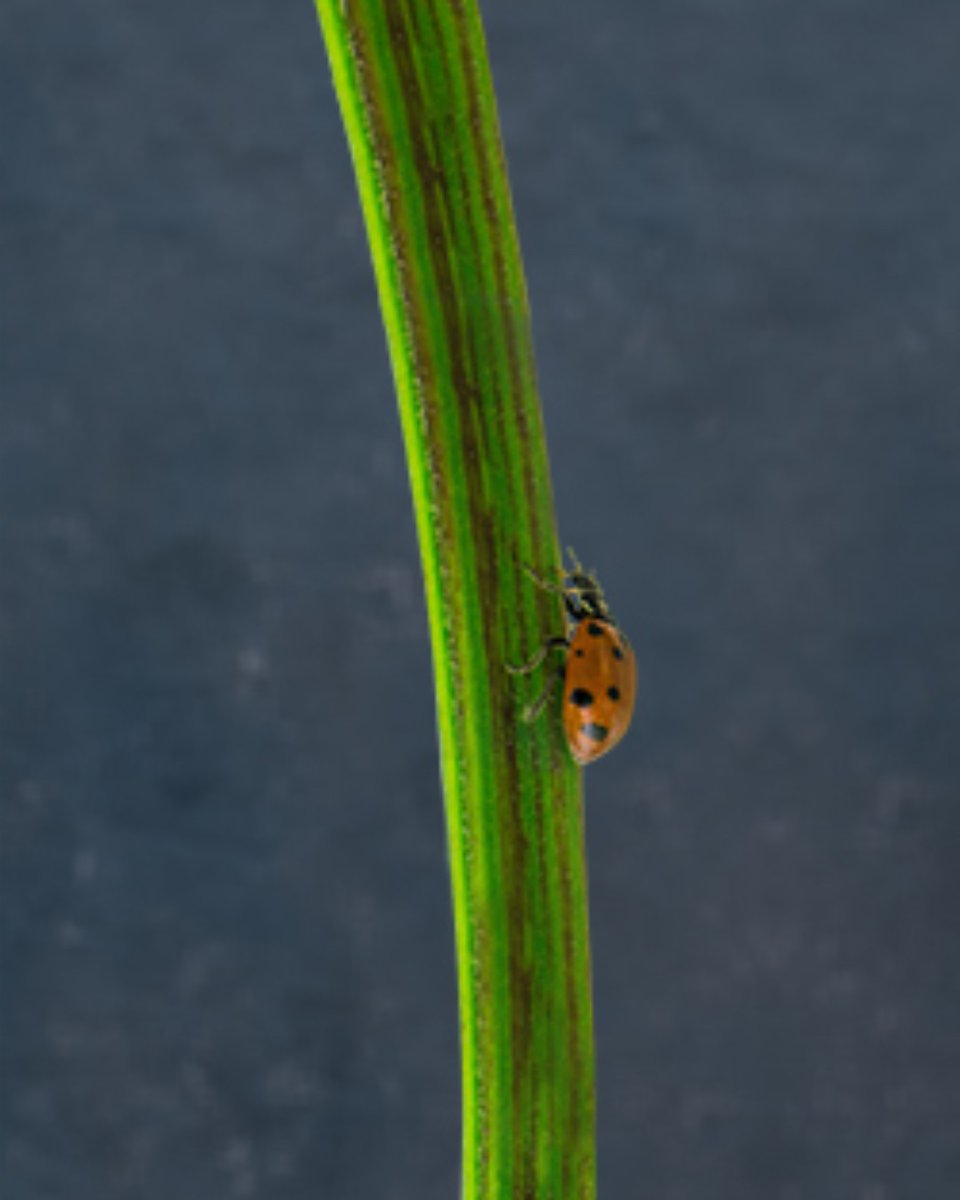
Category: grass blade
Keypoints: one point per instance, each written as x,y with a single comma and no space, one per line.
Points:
416,97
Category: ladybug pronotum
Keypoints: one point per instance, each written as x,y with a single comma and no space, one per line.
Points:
599,670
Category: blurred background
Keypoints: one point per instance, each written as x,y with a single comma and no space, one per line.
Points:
227,959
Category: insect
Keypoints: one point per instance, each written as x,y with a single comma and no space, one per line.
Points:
599,670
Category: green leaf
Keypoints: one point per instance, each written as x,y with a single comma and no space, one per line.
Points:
417,101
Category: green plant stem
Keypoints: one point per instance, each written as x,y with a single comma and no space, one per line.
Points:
415,93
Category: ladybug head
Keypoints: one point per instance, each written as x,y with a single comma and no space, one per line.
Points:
587,595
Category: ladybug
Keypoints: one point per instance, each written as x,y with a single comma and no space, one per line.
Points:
599,670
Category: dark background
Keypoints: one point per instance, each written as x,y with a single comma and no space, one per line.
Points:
227,949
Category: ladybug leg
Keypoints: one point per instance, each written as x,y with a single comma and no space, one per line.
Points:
541,654
556,588
570,595
532,711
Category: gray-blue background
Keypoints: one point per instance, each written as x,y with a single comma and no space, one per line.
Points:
227,952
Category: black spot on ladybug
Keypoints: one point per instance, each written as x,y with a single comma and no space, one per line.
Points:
581,697
617,652
594,629
597,733
613,693
578,653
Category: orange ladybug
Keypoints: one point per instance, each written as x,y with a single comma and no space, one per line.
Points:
599,670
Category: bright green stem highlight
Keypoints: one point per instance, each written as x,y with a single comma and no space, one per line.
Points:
417,101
